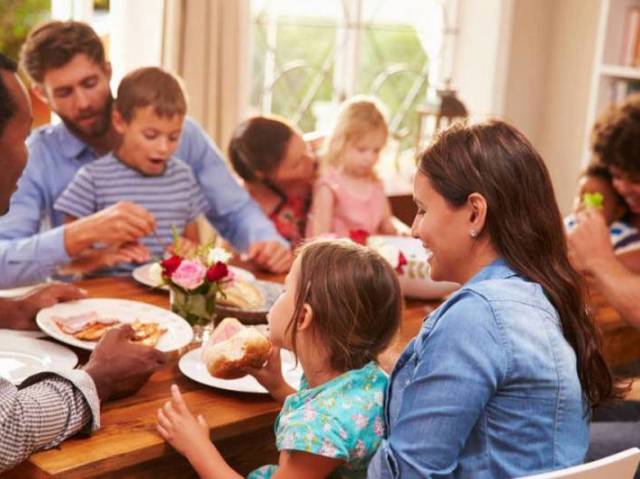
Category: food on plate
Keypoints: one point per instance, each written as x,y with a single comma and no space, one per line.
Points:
242,295
91,327
233,347
147,333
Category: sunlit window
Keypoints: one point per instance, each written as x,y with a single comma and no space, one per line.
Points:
309,56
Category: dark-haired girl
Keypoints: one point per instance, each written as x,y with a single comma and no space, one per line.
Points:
278,169
500,380
340,308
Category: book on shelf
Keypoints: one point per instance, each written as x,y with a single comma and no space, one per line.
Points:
621,89
631,39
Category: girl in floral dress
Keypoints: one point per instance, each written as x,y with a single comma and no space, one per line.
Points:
340,308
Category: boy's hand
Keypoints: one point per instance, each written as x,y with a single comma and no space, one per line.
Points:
271,255
270,376
178,426
123,222
589,241
95,259
185,247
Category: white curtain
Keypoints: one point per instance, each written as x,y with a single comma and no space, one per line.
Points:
206,42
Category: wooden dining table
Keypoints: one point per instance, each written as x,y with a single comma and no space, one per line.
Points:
241,424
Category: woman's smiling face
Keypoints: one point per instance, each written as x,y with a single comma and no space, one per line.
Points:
443,230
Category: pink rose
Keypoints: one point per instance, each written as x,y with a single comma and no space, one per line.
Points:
189,275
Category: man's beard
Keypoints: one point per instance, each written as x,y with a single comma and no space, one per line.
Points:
99,128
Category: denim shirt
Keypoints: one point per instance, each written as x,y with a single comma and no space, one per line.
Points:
488,389
32,240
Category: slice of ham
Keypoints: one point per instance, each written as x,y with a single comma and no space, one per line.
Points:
226,329
80,322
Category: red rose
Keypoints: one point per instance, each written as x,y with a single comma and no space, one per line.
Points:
402,262
217,272
359,236
170,264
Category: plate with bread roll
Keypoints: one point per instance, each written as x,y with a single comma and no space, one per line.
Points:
84,322
247,301
232,347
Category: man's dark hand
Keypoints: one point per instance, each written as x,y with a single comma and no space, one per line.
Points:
20,313
119,367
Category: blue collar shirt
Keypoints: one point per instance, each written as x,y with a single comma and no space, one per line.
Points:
31,236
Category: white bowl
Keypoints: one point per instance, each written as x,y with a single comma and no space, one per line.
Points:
415,279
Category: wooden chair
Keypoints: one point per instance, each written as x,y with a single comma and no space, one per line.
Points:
618,466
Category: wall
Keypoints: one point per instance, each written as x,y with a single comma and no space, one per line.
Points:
530,62
572,53
477,61
136,36
528,66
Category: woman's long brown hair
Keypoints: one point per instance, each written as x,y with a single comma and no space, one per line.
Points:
525,227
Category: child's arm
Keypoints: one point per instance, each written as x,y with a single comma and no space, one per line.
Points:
190,437
270,376
191,232
386,226
93,259
321,218
391,225
631,260
189,241
295,464
66,219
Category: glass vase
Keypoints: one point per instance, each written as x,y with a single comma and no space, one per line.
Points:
198,309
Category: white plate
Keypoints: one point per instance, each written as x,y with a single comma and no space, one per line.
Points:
15,292
24,357
19,333
178,333
192,366
141,275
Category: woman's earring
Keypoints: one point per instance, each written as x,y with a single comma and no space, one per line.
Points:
473,234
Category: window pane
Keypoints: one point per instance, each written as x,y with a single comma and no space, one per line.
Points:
300,50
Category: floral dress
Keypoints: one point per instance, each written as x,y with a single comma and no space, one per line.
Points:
290,218
342,419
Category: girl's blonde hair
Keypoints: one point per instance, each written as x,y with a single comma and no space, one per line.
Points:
357,116
355,297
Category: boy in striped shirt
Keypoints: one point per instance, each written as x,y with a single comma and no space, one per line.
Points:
149,113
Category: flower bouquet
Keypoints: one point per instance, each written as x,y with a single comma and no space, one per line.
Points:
194,279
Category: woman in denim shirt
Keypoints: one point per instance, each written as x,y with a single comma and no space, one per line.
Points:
500,380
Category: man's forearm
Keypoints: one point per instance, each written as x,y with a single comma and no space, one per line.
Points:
246,225
620,287
31,259
39,416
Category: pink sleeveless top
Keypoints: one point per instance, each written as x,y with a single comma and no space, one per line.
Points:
351,210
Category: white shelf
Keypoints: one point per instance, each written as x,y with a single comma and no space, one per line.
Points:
618,71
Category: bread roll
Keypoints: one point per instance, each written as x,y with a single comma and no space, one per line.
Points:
233,347
242,295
